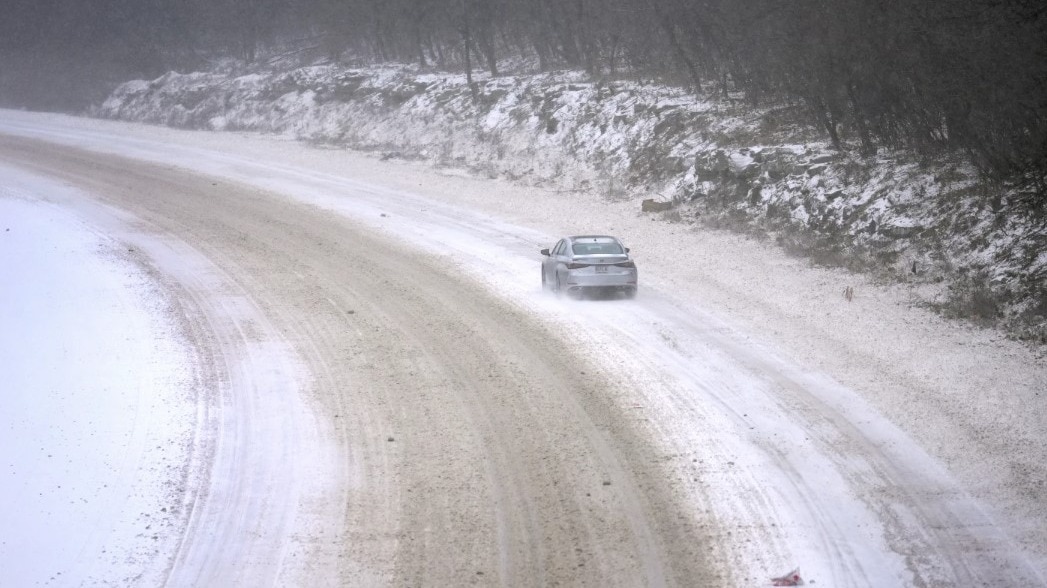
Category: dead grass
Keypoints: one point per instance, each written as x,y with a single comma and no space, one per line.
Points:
971,297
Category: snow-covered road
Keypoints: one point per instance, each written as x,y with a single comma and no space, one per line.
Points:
737,420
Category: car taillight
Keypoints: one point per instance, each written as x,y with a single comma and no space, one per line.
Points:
626,264
577,265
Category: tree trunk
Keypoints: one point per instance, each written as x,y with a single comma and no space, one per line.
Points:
825,118
669,27
612,63
485,35
419,46
868,148
467,38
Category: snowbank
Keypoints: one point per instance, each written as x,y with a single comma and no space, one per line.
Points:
98,421
933,225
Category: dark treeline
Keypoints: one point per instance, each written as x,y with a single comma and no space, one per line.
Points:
65,54
964,76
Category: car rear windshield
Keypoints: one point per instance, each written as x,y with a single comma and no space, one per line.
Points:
597,248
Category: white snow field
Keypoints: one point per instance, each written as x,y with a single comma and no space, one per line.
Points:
149,436
97,420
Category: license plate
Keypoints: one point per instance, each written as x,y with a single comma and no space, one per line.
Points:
601,269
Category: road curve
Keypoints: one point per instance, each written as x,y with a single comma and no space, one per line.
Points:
702,444
461,443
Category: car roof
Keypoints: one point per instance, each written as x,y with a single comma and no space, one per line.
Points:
594,238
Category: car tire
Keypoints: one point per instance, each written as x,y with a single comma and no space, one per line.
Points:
545,286
630,293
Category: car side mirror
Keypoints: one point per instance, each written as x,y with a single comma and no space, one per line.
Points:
545,252
627,250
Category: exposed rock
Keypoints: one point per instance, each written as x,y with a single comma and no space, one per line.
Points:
900,232
712,166
755,194
778,163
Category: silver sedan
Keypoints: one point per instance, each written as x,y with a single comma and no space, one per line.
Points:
584,264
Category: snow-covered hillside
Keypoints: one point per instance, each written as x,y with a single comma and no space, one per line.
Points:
932,224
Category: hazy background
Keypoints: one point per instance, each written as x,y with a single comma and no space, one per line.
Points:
964,76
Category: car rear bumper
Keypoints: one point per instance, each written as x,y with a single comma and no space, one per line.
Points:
617,280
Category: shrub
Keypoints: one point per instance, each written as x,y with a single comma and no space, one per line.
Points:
972,297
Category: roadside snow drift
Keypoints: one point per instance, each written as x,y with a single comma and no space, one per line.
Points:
98,417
